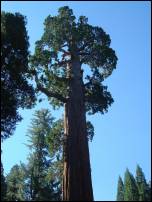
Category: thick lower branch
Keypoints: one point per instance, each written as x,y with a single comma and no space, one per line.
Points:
48,92
51,94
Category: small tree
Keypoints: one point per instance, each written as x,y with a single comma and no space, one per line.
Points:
65,46
41,186
15,184
130,188
142,185
120,190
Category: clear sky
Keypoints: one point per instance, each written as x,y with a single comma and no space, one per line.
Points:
122,136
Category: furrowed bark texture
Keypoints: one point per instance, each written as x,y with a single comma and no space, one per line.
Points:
77,184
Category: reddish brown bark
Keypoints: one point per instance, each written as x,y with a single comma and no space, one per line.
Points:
77,185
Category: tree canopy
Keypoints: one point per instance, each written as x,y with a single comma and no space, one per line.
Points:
16,91
63,41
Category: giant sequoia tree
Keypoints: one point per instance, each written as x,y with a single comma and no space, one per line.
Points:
66,50
15,90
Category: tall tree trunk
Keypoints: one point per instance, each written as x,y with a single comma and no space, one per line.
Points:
77,184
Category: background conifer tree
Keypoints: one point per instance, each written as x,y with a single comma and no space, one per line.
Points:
142,185
130,188
120,190
16,92
15,184
42,186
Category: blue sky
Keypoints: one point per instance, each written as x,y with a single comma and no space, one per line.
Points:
122,136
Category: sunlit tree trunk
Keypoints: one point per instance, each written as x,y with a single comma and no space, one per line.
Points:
77,185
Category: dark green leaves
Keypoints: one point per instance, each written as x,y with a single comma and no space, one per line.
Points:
15,90
41,183
131,190
134,189
98,99
90,131
66,39
143,188
120,190
58,29
15,184
3,185
55,138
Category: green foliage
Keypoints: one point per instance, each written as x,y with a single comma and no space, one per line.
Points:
3,185
15,90
90,131
130,187
143,187
55,138
15,184
65,40
134,189
41,186
40,179
120,190
94,94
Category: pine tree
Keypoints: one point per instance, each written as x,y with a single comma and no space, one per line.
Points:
130,188
40,185
120,190
15,184
16,92
57,68
143,187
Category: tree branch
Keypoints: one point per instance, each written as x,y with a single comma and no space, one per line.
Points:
84,53
66,44
48,92
85,45
86,84
61,63
51,94
65,79
64,51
